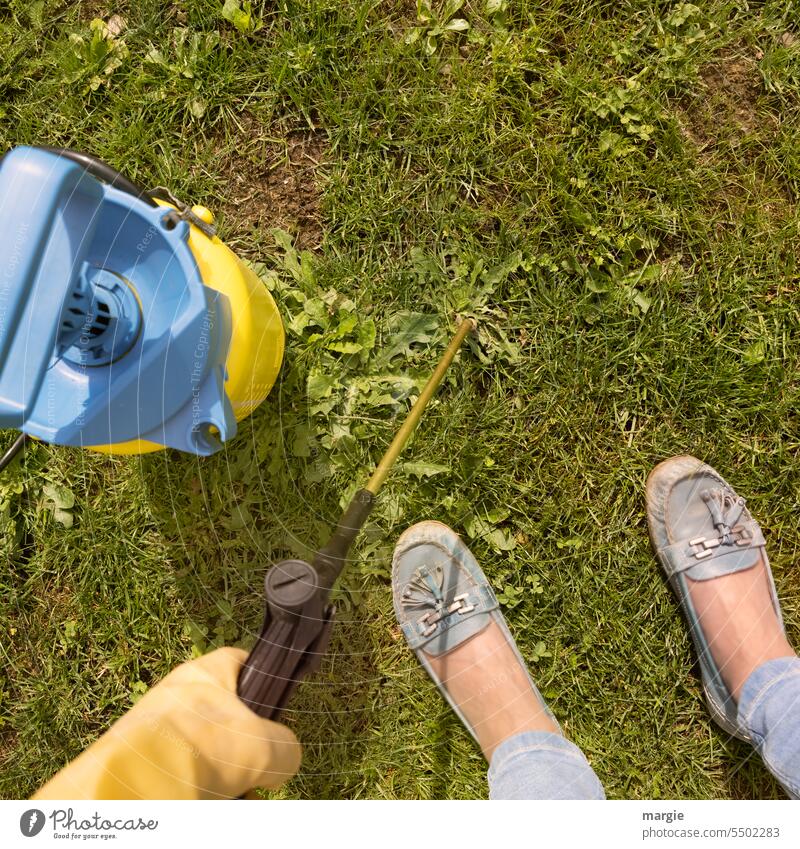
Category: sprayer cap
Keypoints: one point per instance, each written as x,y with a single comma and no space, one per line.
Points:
204,214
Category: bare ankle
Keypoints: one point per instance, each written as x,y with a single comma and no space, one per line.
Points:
739,623
485,679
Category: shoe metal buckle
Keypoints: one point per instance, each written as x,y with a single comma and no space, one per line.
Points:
460,604
703,547
429,622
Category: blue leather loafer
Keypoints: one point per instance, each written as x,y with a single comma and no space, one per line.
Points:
442,599
701,529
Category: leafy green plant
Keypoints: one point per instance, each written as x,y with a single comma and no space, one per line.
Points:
435,27
615,284
195,633
183,67
240,14
92,60
226,629
677,38
69,636
421,470
627,108
539,651
510,593
138,690
11,487
347,375
510,596
496,11
474,287
60,499
482,525
303,58
755,353
32,13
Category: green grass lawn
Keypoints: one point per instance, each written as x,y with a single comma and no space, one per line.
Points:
610,188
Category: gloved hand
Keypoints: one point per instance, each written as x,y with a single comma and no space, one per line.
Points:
190,737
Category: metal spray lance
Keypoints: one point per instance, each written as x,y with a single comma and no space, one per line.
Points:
299,615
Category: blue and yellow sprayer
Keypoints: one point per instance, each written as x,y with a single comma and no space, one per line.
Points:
127,326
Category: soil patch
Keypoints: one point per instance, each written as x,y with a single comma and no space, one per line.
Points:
729,105
277,185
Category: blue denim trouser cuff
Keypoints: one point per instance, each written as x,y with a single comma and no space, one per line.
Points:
541,765
769,711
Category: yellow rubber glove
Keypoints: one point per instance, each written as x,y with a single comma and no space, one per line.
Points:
190,737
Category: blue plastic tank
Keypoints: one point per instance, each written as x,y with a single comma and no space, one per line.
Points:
107,331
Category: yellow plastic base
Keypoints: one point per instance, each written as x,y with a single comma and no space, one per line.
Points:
257,337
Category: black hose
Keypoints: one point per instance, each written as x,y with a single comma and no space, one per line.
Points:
103,172
17,446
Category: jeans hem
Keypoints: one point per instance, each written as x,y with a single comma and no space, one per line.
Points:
761,680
